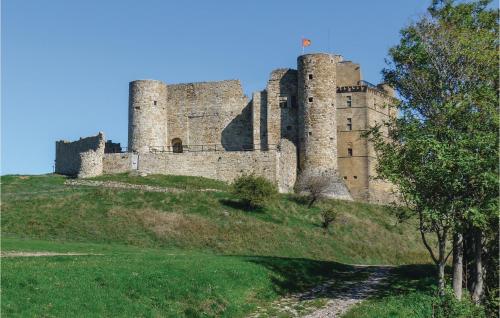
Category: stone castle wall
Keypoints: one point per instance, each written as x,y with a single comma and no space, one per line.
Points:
307,122
82,158
210,113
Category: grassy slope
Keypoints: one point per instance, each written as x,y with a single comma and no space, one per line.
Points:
163,252
42,207
135,282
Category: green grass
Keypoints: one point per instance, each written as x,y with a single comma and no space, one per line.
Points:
43,207
192,254
136,282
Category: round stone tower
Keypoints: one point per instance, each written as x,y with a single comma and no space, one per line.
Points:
147,116
317,91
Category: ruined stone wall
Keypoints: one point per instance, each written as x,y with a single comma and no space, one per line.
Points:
282,106
82,158
210,113
286,166
147,115
117,163
348,74
225,166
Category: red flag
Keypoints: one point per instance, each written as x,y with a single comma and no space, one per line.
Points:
306,42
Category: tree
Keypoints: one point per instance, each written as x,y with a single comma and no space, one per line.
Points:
442,152
316,187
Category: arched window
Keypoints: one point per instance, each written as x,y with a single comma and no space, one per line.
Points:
177,145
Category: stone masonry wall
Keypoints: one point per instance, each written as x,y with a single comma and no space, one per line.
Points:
117,162
82,158
210,113
147,115
225,166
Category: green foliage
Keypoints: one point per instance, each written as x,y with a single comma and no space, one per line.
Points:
253,191
328,216
448,306
442,151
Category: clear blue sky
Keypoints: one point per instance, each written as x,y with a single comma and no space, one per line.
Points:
66,64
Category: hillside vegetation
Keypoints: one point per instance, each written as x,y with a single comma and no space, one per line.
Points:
43,207
193,253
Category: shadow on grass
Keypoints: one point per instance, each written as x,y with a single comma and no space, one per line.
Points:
235,204
293,275
409,278
299,274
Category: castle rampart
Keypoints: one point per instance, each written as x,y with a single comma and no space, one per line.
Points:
307,122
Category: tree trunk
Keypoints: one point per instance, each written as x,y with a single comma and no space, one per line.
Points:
477,293
458,254
441,279
441,263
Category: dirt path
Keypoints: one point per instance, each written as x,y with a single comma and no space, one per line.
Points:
334,301
356,293
123,185
40,254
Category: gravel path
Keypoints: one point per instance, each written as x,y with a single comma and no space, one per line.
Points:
334,301
359,291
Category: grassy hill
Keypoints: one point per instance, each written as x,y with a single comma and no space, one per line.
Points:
193,253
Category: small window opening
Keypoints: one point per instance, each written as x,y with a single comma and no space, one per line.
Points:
177,145
349,123
349,152
355,177
283,101
137,107
345,177
310,76
349,101
154,103
310,99
310,133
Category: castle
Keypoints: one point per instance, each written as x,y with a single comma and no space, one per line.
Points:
306,123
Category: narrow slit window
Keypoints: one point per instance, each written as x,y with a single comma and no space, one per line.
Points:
349,101
154,103
310,99
349,123
310,76
349,152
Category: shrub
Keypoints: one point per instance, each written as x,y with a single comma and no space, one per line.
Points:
316,187
328,215
253,191
448,306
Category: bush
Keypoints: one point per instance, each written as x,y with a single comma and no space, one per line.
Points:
328,215
253,191
448,306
